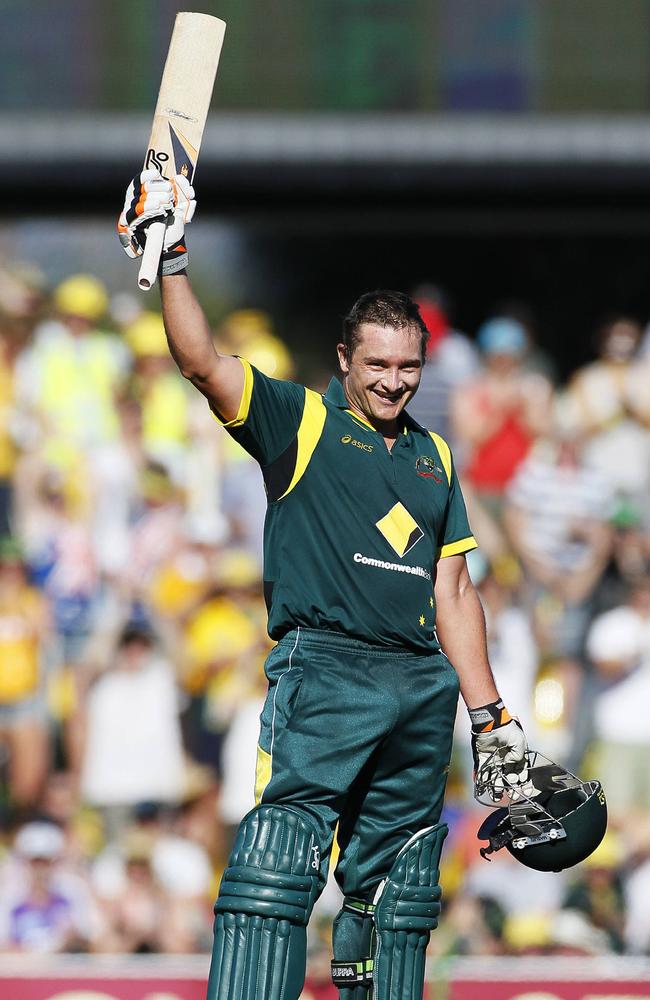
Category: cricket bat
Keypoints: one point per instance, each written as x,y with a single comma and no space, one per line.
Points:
180,115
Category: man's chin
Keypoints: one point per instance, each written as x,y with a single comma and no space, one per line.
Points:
387,410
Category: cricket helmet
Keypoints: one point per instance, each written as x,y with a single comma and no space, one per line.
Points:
552,822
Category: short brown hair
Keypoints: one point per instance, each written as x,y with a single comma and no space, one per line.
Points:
385,308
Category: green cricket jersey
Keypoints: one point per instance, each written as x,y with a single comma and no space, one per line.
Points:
353,531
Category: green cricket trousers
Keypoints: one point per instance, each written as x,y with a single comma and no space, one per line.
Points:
357,735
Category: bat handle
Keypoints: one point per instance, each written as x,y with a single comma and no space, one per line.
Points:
151,255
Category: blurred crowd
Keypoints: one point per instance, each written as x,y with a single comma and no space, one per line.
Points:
132,624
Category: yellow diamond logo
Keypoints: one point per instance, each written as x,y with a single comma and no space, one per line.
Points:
400,530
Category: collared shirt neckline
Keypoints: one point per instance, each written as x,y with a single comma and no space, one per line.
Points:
335,394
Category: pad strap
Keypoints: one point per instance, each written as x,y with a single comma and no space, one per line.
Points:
353,936
358,906
346,974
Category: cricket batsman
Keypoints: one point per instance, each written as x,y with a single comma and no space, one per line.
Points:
377,627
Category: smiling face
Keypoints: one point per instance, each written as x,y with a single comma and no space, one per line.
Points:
383,372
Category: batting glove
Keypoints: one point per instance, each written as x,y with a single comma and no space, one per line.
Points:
149,197
500,752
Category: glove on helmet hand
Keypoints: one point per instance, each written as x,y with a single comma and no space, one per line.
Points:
500,752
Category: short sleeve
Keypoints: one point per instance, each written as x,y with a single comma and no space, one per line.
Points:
268,417
455,535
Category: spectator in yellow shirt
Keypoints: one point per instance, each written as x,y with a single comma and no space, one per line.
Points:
24,627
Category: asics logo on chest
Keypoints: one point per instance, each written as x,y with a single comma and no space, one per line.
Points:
348,439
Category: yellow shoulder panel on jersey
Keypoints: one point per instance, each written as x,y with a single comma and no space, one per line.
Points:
309,433
245,401
444,452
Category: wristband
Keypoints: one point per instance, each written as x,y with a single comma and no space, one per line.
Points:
489,717
175,258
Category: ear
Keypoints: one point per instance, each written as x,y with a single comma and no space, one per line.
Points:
344,363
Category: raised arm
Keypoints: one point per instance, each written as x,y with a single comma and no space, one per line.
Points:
153,198
220,378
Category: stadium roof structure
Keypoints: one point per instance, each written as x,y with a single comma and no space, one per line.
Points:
335,138
342,153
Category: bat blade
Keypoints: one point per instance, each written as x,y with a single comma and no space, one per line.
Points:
181,112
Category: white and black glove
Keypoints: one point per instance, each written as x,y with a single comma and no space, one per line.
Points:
500,752
151,197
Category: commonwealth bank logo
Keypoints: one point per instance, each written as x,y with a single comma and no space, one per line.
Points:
400,530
